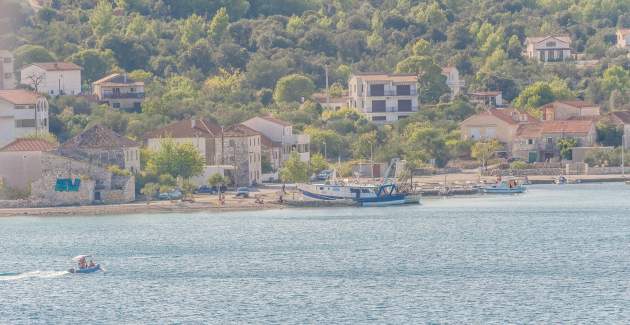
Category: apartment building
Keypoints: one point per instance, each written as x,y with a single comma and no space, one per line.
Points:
22,113
7,76
384,98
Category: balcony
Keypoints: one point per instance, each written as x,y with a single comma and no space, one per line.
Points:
123,96
392,93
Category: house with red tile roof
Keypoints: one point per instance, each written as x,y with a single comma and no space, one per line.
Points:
495,124
119,91
238,146
22,113
563,110
52,78
20,161
539,141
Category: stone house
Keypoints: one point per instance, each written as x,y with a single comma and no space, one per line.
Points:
238,146
453,81
7,76
622,119
549,48
623,38
493,124
54,180
382,97
103,147
22,113
53,78
119,92
570,110
539,141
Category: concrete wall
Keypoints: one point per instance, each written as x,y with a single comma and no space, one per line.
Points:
7,75
19,169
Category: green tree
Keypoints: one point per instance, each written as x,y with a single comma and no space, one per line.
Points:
293,88
432,82
484,151
102,19
294,170
177,160
318,163
216,179
95,63
27,54
534,96
192,29
150,191
219,25
566,145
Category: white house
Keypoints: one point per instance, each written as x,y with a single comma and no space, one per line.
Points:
7,76
280,132
22,113
383,97
120,92
623,38
549,48
453,81
492,99
53,78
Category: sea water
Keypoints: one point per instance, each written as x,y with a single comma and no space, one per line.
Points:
557,254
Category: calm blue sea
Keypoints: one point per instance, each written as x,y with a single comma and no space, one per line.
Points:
557,254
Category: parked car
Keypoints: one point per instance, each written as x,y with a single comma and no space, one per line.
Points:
174,194
242,192
205,189
324,175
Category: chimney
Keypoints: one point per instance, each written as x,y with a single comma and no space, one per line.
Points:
193,123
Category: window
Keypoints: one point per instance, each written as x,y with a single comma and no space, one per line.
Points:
7,60
378,106
377,90
561,55
30,123
8,75
116,105
403,90
378,118
530,141
549,140
551,44
133,90
551,55
404,105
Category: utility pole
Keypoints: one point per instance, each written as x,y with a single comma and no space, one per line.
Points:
222,148
623,163
327,91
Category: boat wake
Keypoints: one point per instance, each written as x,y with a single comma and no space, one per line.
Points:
32,274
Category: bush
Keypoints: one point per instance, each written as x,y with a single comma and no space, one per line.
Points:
519,164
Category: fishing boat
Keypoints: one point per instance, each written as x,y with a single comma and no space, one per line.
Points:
368,195
505,186
83,266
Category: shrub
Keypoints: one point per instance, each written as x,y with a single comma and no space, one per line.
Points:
518,164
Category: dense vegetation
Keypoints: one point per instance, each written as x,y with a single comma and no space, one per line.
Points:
232,59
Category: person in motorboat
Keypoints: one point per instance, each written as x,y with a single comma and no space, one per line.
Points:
91,264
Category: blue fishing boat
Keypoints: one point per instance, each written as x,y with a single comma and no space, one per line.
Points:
384,194
505,186
83,266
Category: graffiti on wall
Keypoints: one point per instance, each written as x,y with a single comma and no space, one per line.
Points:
67,185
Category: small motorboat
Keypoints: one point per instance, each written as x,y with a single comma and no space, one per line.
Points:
505,186
83,266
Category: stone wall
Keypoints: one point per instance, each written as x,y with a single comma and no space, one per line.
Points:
123,191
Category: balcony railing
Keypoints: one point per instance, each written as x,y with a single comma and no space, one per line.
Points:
123,96
391,93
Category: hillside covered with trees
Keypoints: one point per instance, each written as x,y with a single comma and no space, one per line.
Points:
229,60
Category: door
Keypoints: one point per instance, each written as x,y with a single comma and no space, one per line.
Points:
376,170
533,157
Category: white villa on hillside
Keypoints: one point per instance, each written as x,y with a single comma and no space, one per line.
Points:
382,97
453,81
22,113
53,78
120,92
549,48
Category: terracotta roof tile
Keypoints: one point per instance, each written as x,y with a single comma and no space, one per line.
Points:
240,130
192,128
578,126
117,79
381,76
624,31
57,66
275,120
486,93
99,137
623,116
19,96
29,145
